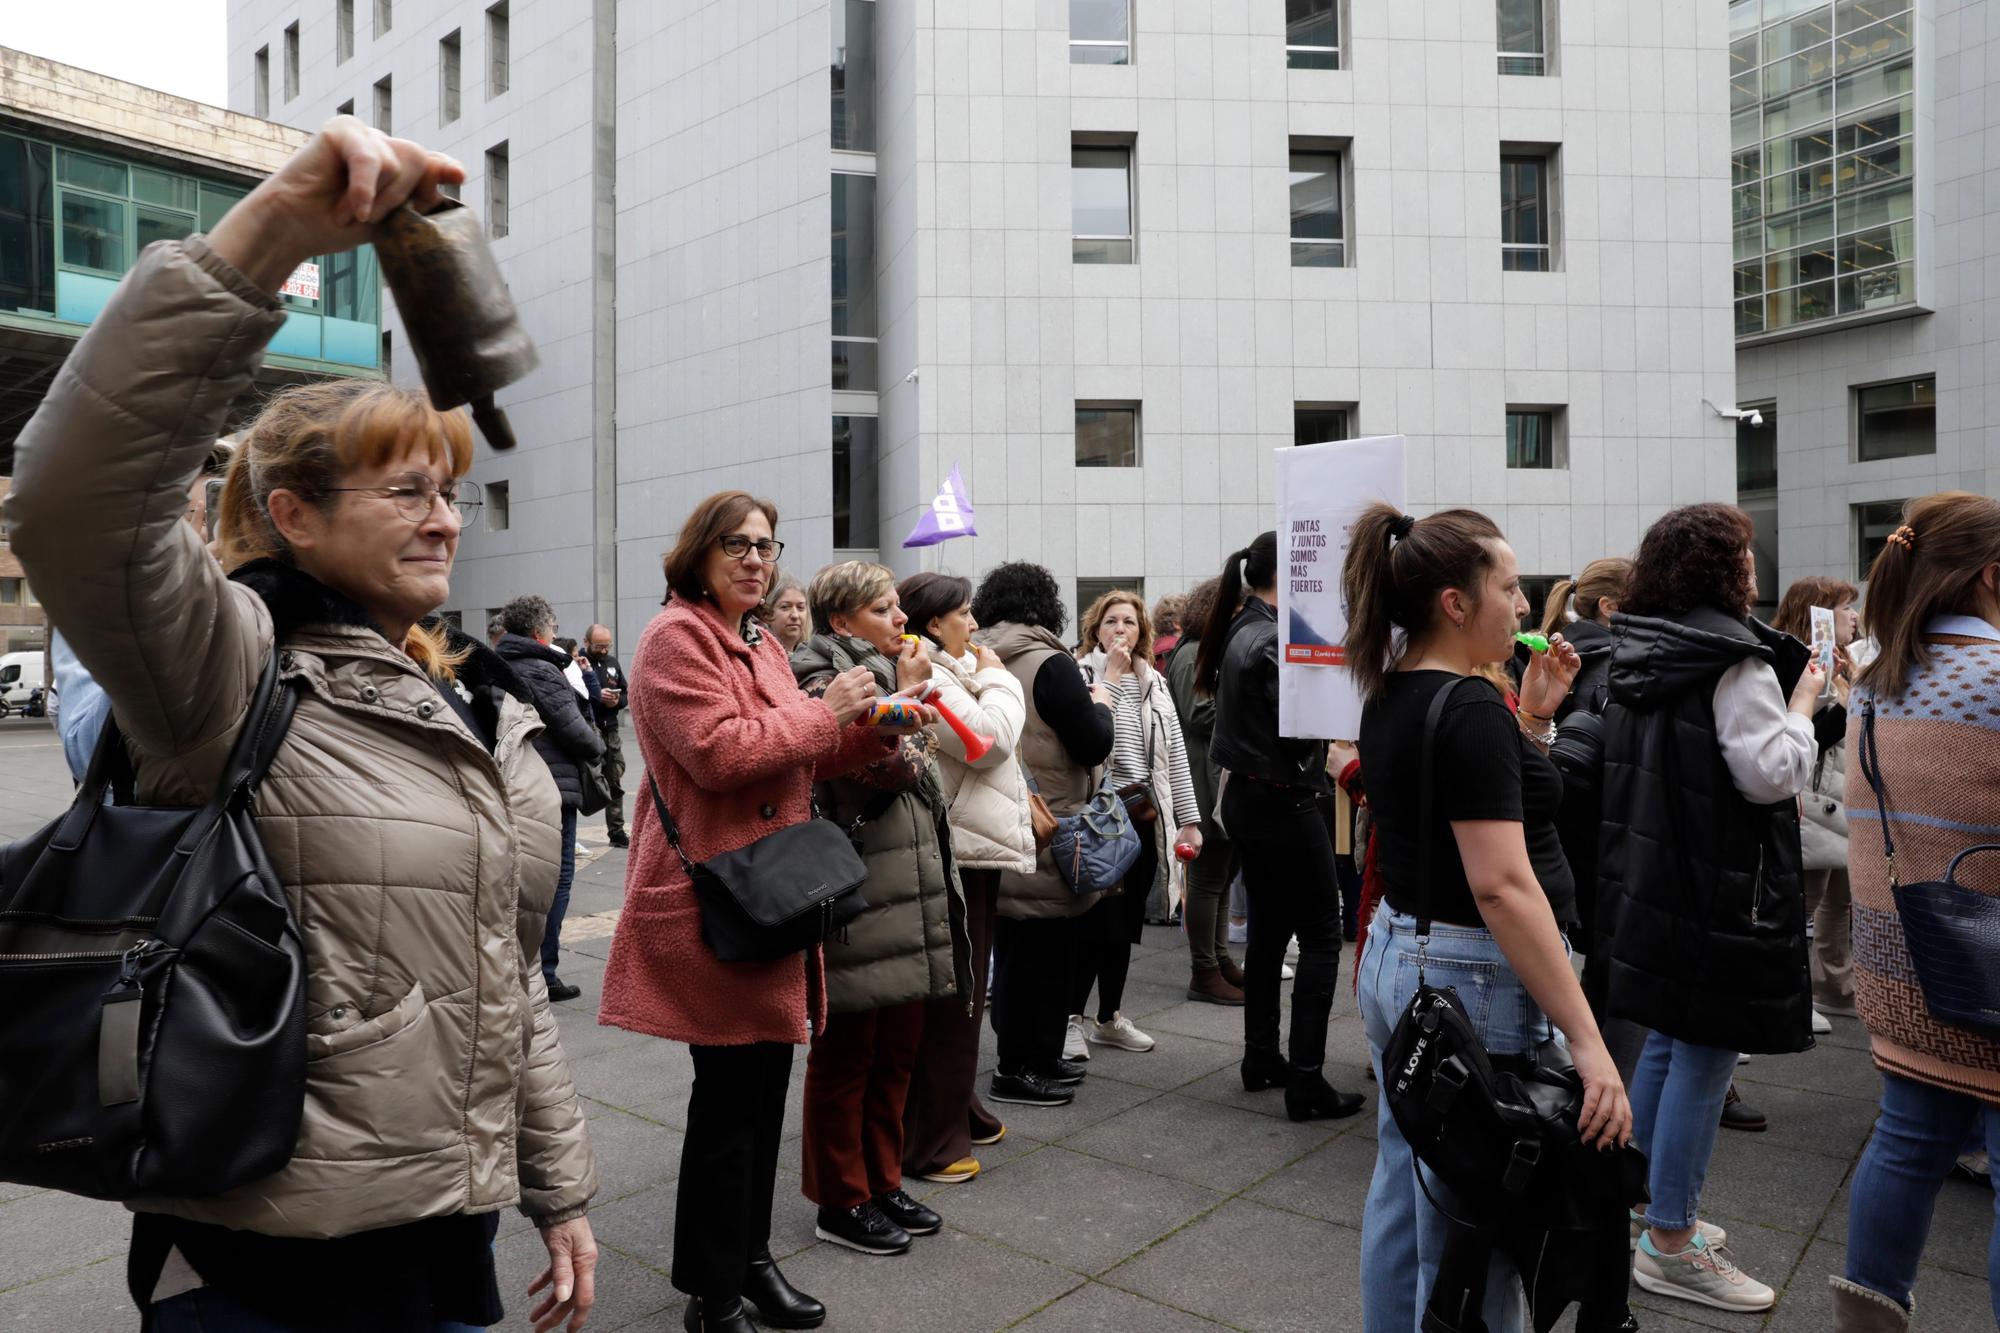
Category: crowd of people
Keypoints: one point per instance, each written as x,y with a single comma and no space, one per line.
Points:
1661,788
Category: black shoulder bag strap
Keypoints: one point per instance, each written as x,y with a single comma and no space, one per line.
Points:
1871,769
667,823
1427,818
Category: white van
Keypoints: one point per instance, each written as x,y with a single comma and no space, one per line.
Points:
21,674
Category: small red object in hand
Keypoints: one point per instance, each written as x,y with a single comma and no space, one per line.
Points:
1186,851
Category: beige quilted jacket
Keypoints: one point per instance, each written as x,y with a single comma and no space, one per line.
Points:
420,866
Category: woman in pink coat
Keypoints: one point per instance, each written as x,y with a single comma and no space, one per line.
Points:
732,747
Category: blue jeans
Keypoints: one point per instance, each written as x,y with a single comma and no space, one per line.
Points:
1919,1134
1677,1093
1402,1235
552,934
206,1310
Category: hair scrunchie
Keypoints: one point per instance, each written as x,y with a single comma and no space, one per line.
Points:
1402,527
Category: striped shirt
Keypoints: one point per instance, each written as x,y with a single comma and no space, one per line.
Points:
1143,729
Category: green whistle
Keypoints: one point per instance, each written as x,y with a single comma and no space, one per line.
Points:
1537,643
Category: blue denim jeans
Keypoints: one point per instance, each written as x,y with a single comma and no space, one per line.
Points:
1919,1134
1402,1235
552,934
1677,1093
206,1310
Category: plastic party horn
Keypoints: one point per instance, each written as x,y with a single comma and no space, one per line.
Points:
1537,643
975,744
893,711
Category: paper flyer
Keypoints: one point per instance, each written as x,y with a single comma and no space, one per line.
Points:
1322,489
1822,641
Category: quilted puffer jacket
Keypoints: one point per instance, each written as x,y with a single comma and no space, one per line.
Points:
420,866
568,738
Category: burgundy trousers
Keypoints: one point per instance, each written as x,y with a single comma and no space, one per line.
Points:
857,1075
943,1110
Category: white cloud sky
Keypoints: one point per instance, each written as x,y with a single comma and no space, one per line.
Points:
176,46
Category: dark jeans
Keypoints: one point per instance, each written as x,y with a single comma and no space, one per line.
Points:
552,933
1034,966
942,1105
1288,872
1207,908
613,764
207,1310
729,1164
1108,931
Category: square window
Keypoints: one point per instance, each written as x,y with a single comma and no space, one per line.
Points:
1526,233
1533,440
1321,423
1101,203
1100,32
1895,420
1107,435
1523,37
1873,522
856,455
93,232
1312,34
1319,238
1089,590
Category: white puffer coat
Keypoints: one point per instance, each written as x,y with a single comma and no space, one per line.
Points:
990,829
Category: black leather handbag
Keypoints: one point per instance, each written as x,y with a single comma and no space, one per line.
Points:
786,892
1952,932
152,984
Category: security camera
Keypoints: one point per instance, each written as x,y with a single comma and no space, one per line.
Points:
1747,414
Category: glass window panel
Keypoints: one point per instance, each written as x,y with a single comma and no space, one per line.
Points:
1878,288
1873,249
1101,193
1808,30
1802,109
1850,15
1794,188
215,201
91,173
164,189
449,51
27,225
854,255
1877,84
1798,150
1524,215
1531,439
1875,166
1744,17
1757,453
1100,21
1746,165
1107,437
1081,54
856,473
854,75
1315,188
1749,317
856,364
1799,71
1318,425
93,232
1746,128
1749,240
1312,34
1896,420
1100,251
1878,41
1749,279
1793,267
1873,522
1875,124
153,224
1520,24
352,285
1875,210
1799,305
1748,201
1800,229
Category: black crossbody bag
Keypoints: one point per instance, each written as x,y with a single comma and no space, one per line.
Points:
153,985
786,892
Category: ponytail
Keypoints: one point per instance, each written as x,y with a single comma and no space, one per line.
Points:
1252,569
1556,614
1601,581
1396,568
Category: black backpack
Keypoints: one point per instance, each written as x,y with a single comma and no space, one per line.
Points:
152,983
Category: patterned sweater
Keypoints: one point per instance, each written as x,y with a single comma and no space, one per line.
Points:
1940,762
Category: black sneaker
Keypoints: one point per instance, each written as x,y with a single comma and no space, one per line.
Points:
1028,1090
560,990
862,1228
1065,1074
620,840
1739,1114
908,1214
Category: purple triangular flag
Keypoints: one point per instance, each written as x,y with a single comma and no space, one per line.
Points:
950,515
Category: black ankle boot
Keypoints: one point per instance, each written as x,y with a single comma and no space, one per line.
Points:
1264,1069
1308,1096
717,1315
779,1304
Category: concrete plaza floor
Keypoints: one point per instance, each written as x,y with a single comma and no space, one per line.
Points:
1164,1199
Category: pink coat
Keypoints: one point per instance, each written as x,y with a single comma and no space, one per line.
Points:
735,746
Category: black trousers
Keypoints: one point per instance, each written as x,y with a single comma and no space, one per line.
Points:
1107,932
1035,963
1289,874
614,774
729,1165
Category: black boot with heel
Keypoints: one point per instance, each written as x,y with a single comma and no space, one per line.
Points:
714,1314
779,1304
1308,1096
1264,1069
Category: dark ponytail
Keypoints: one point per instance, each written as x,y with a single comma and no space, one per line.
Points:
1252,569
1396,567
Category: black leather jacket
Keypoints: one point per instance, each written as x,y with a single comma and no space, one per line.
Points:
1246,740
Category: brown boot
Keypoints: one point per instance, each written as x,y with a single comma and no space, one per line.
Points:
1856,1309
1209,984
1231,973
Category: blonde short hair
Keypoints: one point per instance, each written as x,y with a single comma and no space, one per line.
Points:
1142,651
843,589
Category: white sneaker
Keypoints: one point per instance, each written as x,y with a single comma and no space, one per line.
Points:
1742,1060
1073,1045
1292,950
1118,1032
1286,972
1709,1231
1822,1025
1239,932
1699,1274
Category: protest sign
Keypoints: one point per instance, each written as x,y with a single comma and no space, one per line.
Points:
1322,489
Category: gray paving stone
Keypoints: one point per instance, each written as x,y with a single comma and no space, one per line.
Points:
948,1281
1810,1121
1286,1273
635,1075
1080,1212
48,1234
1330,1183
1198,1018
633,1154
91,1297
1200,1142
1096,1100
1771,1185
640,1226
1944,1300
1096,1308
1823,1069
1961,1222
1173,1061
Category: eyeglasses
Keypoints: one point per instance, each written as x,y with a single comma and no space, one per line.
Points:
735,545
415,493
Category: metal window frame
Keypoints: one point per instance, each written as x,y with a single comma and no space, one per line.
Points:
383,104
291,71
1858,435
1339,154
1137,411
260,81
1131,234
499,53
498,221
1557,414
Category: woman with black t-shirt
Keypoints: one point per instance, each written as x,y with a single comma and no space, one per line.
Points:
1498,880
